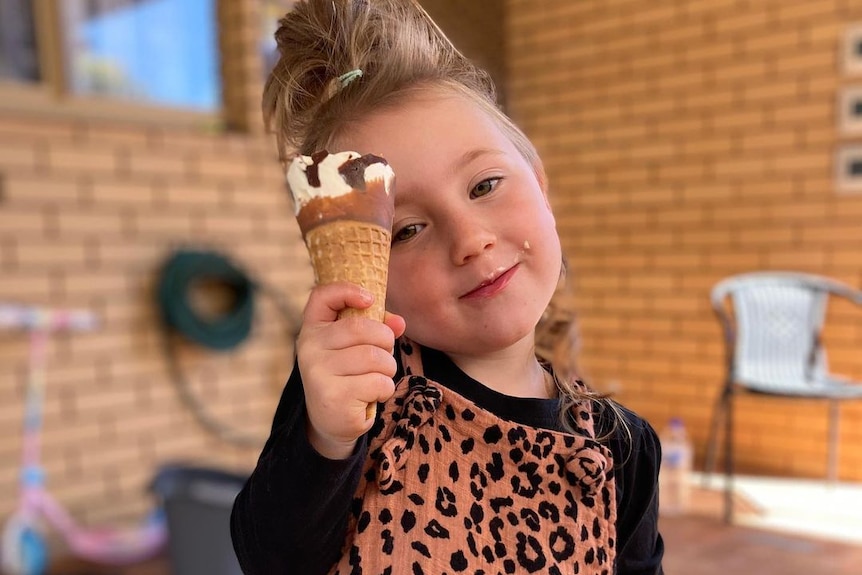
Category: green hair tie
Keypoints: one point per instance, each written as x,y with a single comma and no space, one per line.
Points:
348,77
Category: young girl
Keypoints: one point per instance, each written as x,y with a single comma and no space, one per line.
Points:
484,458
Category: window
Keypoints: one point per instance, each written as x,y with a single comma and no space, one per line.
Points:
849,167
158,51
853,50
161,53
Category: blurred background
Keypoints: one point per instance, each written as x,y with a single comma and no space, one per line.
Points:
685,141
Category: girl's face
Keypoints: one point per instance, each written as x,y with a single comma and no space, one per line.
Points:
475,253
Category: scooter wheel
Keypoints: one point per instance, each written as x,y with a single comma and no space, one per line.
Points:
34,552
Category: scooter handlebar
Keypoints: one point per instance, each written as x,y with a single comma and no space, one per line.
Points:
37,318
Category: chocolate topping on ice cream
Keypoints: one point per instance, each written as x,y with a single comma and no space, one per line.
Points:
371,204
344,186
312,171
354,170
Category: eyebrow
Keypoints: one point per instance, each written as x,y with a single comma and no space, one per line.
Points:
464,160
472,155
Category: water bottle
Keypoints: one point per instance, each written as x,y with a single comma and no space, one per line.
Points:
676,466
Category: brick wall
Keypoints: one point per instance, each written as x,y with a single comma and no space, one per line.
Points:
90,206
686,141
89,213
476,28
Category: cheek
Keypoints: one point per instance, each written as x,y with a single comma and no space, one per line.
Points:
538,226
400,289
544,244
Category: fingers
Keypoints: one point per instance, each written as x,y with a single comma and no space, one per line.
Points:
396,323
349,397
326,301
367,389
342,411
346,364
324,305
375,389
348,333
362,359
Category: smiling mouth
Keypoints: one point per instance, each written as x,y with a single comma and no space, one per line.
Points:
492,286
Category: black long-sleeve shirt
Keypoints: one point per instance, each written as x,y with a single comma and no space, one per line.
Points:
292,514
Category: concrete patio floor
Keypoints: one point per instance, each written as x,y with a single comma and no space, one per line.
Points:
783,527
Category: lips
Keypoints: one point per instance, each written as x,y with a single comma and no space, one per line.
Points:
492,286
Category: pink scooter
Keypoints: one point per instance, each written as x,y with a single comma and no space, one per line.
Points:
24,549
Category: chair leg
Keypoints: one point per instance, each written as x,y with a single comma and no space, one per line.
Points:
718,414
728,456
834,422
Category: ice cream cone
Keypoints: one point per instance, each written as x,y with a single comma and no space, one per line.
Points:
344,206
356,252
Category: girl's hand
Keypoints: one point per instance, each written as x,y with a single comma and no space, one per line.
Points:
345,365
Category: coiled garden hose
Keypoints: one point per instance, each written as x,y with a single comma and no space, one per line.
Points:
182,272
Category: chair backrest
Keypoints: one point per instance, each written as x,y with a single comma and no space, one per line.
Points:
774,329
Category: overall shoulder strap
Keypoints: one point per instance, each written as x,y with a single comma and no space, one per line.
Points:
411,356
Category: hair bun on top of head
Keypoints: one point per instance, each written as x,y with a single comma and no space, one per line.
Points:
340,59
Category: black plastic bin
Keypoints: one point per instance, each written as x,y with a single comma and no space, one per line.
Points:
197,503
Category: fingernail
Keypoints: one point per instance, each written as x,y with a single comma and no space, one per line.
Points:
365,294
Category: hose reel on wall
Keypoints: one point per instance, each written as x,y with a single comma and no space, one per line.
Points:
220,322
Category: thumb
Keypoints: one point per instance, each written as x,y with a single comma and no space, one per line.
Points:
327,300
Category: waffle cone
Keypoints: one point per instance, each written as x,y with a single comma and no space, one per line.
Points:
357,252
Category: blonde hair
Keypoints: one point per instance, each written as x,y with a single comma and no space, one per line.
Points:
399,50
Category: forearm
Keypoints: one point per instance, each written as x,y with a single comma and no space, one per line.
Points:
292,513
293,509
644,548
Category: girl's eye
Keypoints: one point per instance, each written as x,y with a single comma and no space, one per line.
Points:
406,233
484,187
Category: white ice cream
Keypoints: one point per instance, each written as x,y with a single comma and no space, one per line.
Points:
332,183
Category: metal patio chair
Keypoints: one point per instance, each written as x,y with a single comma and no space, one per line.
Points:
773,347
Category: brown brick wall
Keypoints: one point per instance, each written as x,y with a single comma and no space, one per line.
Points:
476,28
87,217
686,141
89,208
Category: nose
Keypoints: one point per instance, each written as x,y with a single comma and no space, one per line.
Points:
470,237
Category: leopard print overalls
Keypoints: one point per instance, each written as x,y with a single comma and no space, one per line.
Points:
451,488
